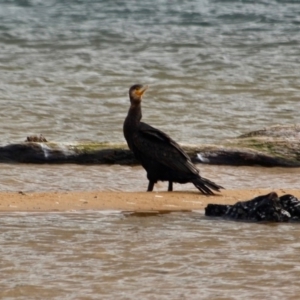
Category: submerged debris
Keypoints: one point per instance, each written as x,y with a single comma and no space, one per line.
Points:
268,208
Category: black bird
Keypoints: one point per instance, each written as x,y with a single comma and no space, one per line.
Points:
162,158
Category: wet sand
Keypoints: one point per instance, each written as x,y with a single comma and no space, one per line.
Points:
125,201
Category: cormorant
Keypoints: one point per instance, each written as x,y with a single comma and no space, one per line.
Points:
162,158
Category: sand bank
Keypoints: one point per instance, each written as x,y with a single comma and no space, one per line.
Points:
125,201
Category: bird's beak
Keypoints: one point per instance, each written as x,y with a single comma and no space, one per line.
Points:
142,90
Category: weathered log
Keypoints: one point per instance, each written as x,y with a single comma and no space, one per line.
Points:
277,145
81,153
240,156
274,146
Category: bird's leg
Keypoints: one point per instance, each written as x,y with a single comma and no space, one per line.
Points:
170,188
150,186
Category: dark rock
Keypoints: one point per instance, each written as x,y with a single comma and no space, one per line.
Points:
292,205
265,208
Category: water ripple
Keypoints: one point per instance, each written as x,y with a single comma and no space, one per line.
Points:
223,68
175,256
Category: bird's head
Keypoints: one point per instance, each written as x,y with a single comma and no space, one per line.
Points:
136,93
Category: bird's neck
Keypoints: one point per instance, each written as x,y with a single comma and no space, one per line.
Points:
135,114
131,124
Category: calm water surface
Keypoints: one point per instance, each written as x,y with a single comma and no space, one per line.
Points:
216,69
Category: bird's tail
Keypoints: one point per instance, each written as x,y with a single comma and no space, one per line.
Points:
206,186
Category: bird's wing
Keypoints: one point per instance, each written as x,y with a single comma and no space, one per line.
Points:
158,146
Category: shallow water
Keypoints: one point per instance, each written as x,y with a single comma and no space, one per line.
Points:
30,178
110,255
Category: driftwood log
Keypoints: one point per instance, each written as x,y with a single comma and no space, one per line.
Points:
273,146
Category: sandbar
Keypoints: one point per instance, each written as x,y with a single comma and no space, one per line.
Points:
125,201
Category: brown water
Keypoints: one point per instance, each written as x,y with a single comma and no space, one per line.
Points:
109,255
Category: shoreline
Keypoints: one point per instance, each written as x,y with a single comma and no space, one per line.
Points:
125,201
